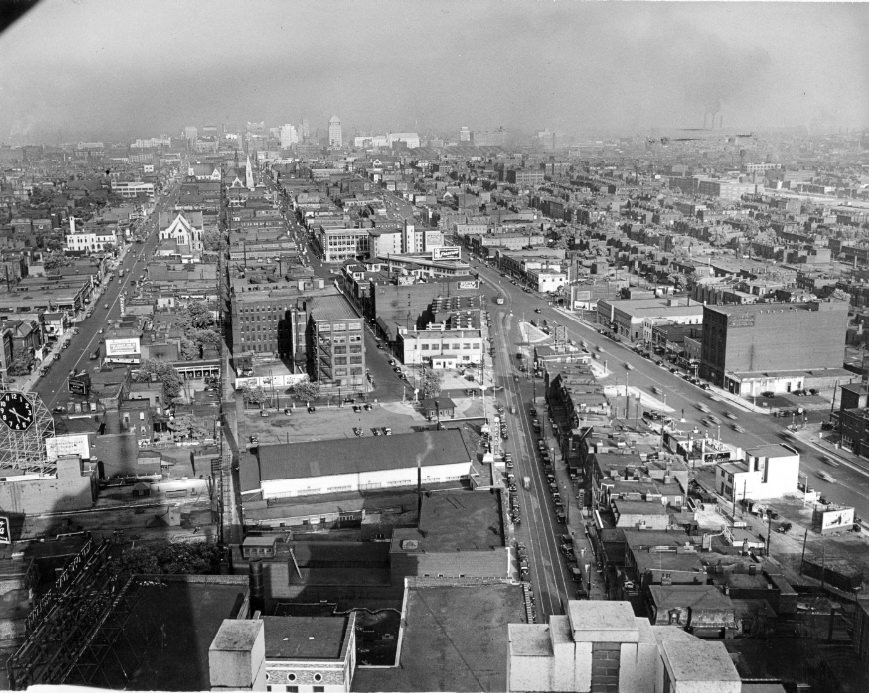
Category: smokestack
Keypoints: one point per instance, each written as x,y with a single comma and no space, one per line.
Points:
255,584
71,224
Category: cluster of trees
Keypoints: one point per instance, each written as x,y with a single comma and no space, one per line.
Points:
164,558
200,330
55,261
213,240
161,372
258,396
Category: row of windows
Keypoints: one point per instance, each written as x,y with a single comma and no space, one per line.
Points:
441,346
343,350
257,309
342,360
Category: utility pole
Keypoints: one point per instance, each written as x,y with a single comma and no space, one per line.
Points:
803,554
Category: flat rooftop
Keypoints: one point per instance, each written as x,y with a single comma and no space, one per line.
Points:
440,651
773,450
699,660
304,637
333,307
454,521
170,629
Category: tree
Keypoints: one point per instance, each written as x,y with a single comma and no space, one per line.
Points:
431,383
55,261
213,240
255,395
195,315
207,338
305,390
189,349
163,373
166,558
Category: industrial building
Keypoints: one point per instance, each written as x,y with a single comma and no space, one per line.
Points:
748,349
360,464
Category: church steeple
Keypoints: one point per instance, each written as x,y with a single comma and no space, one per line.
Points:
248,175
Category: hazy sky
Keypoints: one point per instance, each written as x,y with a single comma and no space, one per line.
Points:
105,68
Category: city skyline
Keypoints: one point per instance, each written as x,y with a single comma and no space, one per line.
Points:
577,68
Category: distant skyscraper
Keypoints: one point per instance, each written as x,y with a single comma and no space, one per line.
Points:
289,136
306,128
465,134
190,133
335,139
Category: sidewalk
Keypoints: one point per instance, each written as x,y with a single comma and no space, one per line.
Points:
27,383
810,436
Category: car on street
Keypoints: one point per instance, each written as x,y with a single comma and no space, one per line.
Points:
826,476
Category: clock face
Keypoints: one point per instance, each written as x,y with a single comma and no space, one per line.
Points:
16,411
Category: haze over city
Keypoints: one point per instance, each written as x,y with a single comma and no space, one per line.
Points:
379,345
105,69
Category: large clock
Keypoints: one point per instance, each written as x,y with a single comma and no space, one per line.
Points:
16,411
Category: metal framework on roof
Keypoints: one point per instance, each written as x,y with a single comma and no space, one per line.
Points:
25,450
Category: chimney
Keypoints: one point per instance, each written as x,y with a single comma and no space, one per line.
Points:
255,584
72,224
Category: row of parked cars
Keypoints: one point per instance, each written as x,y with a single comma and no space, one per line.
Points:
512,490
549,474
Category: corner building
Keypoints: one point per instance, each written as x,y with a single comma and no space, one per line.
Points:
769,338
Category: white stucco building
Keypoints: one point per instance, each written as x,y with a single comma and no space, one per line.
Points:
769,471
92,239
602,646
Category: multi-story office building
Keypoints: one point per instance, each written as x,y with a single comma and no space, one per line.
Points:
338,245
525,177
336,350
335,136
727,189
772,338
130,188
274,322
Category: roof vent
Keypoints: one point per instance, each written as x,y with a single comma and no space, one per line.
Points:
409,544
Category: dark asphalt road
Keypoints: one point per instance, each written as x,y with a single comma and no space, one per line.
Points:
52,387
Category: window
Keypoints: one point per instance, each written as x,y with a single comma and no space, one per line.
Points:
318,677
319,689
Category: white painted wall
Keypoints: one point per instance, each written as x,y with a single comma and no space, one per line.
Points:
407,476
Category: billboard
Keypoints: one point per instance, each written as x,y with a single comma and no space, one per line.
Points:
120,347
5,530
448,252
79,384
833,519
76,444
468,285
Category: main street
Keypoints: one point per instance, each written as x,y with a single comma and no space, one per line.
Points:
52,387
851,486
